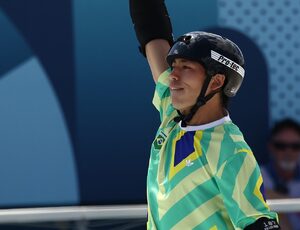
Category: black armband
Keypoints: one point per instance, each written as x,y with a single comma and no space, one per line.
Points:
264,224
151,21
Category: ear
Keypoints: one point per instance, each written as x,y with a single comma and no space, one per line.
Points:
216,82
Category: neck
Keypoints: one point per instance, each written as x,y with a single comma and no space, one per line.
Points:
207,113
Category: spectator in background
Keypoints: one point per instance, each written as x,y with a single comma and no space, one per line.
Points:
282,174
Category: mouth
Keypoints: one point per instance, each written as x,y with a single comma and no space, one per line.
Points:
174,89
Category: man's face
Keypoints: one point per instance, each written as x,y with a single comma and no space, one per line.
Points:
285,149
186,80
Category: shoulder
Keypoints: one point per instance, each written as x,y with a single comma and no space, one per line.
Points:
233,143
237,140
225,143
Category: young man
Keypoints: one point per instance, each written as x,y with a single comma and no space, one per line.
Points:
202,174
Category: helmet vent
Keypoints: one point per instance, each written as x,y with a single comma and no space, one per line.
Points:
187,39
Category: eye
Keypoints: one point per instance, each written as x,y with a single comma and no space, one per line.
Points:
186,67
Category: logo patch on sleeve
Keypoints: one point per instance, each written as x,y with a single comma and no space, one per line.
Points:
159,141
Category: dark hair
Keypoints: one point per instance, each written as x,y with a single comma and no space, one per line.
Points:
286,123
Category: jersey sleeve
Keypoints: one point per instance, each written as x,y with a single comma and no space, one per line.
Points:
162,98
241,186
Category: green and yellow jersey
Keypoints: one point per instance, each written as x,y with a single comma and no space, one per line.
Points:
201,177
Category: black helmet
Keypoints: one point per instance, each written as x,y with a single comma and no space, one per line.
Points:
216,53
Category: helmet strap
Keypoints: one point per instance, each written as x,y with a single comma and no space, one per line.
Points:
201,100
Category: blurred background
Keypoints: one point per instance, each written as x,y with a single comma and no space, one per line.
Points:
77,119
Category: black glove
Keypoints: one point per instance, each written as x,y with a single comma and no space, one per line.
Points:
151,21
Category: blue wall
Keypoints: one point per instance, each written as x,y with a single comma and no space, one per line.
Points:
75,98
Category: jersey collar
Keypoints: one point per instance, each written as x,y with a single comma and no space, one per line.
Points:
206,126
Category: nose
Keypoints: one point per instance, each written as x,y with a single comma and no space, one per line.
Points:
174,75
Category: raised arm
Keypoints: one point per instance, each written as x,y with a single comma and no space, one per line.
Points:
154,32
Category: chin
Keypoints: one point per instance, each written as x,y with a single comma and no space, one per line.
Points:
180,106
176,105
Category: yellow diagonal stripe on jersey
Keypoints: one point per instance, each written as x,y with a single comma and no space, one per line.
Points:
237,138
244,151
240,185
221,169
177,193
197,146
257,192
194,219
213,151
177,168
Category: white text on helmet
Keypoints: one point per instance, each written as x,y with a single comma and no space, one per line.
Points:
227,62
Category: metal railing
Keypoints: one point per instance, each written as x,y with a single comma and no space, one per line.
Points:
89,213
